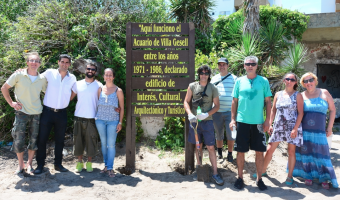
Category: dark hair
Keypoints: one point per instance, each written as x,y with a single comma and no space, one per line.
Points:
64,56
296,78
112,70
204,68
93,64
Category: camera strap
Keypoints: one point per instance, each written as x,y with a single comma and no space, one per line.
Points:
222,79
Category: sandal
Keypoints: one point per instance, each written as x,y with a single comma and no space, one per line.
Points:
103,171
18,171
111,174
325,185
308,182
289,181
30,170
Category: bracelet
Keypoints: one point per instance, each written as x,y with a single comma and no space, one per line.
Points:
120,123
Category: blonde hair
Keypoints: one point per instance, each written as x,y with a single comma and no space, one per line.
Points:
33,53
308,74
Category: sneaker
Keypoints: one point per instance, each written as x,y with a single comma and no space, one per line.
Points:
217,179
89,167
220,157
230,158
261,185
239,184
79,167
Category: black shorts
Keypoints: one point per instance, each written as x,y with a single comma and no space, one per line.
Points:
250,135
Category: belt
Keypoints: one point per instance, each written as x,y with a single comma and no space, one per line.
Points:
53,109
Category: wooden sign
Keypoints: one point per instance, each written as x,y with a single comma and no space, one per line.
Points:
160,61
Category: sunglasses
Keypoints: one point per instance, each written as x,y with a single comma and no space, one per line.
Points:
34,61
311,80
205,73
91,69
290,79
252,64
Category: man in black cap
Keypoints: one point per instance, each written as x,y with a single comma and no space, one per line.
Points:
224,81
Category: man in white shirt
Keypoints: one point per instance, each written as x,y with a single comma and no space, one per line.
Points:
85,134
54,114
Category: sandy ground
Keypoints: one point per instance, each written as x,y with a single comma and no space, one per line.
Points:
155,178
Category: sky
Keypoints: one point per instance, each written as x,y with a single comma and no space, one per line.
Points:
304,6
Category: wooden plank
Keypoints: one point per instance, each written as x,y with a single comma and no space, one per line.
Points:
160,28
160,83
130,143
160,55
158,110
160,42
189,148
160,69
158,97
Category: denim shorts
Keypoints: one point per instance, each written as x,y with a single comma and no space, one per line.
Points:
221,122
19,130
205,129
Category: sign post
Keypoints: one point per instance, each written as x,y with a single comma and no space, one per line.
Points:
160,64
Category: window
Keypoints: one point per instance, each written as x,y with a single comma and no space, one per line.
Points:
224,12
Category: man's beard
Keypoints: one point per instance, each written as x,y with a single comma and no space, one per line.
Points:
90,75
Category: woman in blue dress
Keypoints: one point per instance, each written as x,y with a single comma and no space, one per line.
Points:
313,158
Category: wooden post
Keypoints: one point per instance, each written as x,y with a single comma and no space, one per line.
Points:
189,147
130,132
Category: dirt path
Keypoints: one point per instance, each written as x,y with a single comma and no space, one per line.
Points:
155,178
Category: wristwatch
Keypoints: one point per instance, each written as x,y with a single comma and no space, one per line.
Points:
119,123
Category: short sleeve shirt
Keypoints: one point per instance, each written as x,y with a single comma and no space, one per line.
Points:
251,95
28,92
211,93
225,88
87,95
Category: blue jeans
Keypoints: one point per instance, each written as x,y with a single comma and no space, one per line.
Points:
107,132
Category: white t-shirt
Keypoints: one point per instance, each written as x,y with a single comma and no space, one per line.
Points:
33,78
87,95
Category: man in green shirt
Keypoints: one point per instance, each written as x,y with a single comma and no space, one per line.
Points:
250,94
28,85
209,104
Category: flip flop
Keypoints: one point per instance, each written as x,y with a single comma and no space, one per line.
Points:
325,185
18,171
111,174
103,171
289,181
308,182
30,169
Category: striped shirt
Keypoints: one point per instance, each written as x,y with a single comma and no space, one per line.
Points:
225,88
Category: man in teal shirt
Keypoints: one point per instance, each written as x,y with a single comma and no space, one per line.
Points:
250,94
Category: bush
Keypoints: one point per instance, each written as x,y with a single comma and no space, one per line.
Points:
171,137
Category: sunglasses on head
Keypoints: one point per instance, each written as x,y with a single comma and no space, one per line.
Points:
252,64
204,73
311,80
290,79
91,69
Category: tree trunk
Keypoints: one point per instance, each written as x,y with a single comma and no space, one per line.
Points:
252,13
